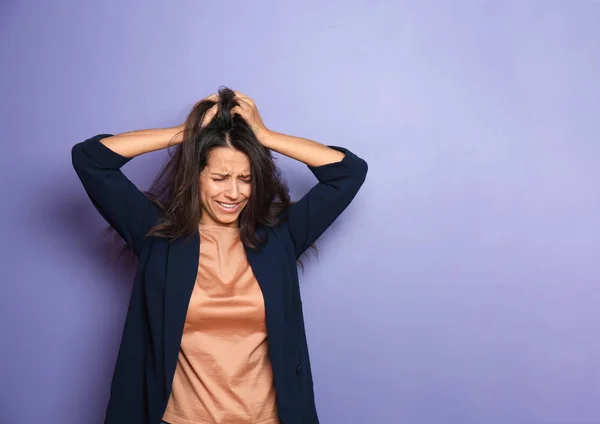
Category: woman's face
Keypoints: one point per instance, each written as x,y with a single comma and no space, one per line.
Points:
224,186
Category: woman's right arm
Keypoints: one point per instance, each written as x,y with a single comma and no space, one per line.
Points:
135,143
97,162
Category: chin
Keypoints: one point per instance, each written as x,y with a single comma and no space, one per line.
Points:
228,220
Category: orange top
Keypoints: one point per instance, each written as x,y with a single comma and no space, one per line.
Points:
223,372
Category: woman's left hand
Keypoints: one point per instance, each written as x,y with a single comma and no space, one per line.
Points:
247,109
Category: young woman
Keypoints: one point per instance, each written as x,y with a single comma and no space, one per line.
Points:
214,330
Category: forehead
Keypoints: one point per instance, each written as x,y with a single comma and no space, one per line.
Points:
228,160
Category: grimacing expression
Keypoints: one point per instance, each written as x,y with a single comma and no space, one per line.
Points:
225,186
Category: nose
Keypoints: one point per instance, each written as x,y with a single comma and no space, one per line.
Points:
233,190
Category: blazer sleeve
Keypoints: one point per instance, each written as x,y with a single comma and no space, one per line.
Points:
118,200
315,212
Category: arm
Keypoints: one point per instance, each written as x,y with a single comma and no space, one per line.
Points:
340,173
97,162
309,152
135,143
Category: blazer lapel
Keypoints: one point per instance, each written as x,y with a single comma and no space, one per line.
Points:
182,269
271,285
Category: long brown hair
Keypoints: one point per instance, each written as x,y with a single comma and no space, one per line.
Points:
176,188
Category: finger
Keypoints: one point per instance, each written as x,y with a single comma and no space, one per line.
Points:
244,97
211,98
244,114
242,106
244,103
238,110
209,116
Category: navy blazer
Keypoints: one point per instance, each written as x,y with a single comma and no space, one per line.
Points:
166,274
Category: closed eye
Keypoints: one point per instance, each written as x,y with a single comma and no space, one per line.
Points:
246,180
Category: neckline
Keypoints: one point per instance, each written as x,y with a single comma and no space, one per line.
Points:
218,228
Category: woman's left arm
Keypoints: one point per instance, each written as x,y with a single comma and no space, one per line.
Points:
307,151
340,173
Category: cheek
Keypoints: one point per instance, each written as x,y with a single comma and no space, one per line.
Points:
209,190
247,191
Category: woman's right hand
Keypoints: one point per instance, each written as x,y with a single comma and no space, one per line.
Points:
210,113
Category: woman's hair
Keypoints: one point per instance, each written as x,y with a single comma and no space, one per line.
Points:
176,189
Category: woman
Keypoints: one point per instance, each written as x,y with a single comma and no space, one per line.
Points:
214,330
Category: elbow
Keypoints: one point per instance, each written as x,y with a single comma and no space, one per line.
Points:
76,156
362,169
365,167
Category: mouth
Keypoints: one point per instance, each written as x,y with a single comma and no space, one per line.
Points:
228,207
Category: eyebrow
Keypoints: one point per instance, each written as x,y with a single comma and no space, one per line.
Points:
227,175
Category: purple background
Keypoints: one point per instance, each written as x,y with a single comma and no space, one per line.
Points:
462,285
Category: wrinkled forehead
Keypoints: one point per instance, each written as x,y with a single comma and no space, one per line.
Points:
227,160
